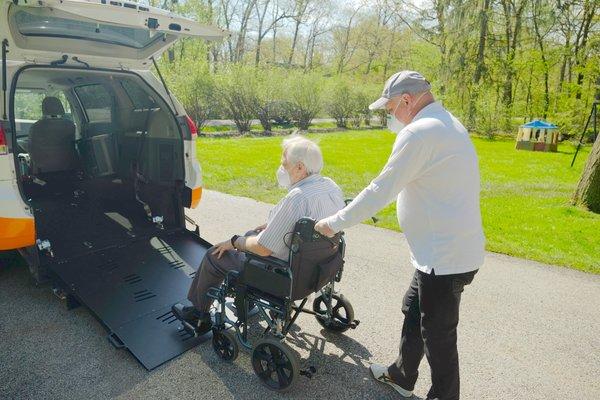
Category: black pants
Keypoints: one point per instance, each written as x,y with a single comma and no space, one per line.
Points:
430,308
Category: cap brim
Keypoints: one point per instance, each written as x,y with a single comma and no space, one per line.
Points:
379,103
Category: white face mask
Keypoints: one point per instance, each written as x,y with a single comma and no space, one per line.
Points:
283,178
393,123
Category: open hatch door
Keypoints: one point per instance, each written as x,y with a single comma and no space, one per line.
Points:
101,33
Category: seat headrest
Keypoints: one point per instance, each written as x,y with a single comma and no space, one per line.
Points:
52,107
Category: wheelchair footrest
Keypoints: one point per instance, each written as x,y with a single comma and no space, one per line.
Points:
189,328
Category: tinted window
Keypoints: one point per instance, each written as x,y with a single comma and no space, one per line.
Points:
41,23
96,101
138,96
28,103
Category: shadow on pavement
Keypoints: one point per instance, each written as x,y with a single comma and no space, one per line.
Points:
341,363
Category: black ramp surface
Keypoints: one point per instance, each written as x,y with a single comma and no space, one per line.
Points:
131,289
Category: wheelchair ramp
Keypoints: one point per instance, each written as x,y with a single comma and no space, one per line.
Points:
131,288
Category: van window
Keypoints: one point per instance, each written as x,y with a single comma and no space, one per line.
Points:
41,23
28,103
96,101
138,96
28,107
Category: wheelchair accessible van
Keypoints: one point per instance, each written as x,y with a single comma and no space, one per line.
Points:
279,290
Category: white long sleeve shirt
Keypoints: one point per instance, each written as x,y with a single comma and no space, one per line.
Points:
433,171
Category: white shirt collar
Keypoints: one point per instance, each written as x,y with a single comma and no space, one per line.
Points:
428,110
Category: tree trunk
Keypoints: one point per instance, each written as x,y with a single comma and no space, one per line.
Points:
483,33
540,39
588,188
294,41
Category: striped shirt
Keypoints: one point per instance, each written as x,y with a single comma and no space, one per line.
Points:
315,197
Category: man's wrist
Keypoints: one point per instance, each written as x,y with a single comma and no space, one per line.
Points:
233,240
328,222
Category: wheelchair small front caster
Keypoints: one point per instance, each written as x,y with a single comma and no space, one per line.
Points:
275,364
342,314
225,345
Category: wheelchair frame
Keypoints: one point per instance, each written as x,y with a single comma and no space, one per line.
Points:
279,313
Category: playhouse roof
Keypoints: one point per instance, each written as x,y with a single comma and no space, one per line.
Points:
537,123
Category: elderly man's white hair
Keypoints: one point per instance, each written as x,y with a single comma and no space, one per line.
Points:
300,149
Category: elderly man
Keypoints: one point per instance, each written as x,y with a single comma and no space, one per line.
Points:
433,172
309,195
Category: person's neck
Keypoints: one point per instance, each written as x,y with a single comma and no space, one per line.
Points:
422,104
301,179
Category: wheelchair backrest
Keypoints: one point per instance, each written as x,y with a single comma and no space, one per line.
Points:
315,259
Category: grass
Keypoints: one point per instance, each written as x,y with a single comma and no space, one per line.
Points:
524,199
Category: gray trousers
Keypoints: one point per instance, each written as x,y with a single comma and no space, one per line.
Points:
211,273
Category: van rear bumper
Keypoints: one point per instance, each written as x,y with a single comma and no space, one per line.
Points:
191,197
16,233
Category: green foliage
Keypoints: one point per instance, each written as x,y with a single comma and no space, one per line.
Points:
340,103
267,97
305,97
196,89
237,86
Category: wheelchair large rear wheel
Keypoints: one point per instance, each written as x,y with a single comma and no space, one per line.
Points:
275,364
225,345
342,313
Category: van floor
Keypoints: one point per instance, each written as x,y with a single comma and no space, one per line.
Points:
127,271
81,217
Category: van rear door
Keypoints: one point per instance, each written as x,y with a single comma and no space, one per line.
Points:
102,33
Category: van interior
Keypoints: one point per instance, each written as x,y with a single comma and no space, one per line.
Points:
100,158
100,162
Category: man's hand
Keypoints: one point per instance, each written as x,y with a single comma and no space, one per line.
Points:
261,228
323,228
222,247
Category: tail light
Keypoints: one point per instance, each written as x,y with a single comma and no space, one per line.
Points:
191,126
3,141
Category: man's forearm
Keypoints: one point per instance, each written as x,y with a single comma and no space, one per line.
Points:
250,243
364,206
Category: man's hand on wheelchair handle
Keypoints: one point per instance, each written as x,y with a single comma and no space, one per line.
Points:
222,247
323,228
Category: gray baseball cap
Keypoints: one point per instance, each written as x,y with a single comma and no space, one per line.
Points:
400,83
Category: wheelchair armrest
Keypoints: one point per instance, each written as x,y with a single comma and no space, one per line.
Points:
269,260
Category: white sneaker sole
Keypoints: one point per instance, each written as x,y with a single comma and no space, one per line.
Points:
401,391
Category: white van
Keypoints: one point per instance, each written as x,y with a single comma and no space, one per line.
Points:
98,162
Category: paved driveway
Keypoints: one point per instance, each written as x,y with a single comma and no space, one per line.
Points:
528,331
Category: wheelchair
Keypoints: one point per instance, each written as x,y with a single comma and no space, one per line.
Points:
279,290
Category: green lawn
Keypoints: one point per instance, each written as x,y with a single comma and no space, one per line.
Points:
524,199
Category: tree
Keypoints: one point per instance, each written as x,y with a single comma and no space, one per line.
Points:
588,188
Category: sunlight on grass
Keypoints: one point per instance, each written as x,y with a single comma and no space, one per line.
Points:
524,198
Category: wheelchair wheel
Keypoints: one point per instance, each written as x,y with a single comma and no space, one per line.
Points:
275,364
342,313
225,345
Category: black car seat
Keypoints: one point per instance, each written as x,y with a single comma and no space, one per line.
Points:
52,140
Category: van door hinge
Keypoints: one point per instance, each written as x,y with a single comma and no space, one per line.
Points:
45,245
158,220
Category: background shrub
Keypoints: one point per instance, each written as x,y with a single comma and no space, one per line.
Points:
305,97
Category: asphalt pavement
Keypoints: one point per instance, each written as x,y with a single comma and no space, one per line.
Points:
527,331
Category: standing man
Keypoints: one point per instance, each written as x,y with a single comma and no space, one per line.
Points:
433,172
